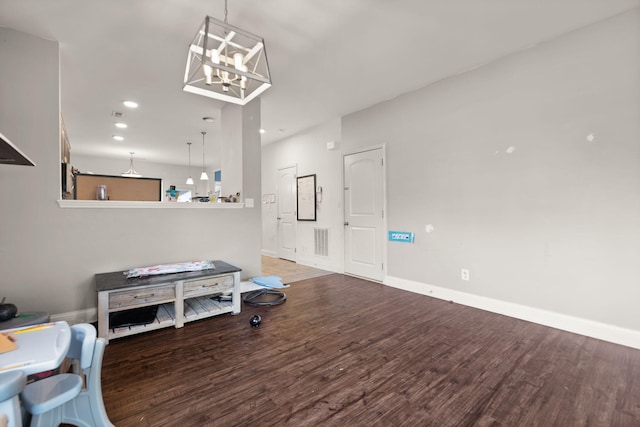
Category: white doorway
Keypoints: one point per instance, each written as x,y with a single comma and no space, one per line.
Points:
364,214
286,201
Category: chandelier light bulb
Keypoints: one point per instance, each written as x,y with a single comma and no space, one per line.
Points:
208,73
237,60
215,56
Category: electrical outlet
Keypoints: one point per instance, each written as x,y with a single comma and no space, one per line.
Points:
464,274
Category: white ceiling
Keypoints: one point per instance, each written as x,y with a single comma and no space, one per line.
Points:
327,58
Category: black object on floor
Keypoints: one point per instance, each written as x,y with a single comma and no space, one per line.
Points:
255,321
261,298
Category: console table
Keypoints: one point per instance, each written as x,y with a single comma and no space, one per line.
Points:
179,297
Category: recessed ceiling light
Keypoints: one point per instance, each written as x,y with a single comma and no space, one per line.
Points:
118,137
121,125
208,119
130,104
262,131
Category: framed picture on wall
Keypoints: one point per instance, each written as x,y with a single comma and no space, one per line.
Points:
306,204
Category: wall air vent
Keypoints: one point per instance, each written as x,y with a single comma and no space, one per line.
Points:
321,240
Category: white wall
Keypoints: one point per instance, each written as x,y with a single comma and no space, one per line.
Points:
48,254
556,223
551,225
251,178
231,150
309,152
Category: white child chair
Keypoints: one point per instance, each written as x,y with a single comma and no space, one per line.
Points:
11,384
62,398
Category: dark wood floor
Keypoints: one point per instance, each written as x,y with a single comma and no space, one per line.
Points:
346,352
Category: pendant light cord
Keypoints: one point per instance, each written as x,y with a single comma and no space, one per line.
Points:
226,11
203,176
189,144
203,134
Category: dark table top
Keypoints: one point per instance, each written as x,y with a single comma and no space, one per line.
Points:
25,319
118,279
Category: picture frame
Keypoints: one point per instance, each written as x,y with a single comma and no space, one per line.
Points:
306,198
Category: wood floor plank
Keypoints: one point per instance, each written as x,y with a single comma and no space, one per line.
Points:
289,271
344,351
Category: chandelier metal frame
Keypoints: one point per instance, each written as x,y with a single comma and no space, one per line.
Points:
226,63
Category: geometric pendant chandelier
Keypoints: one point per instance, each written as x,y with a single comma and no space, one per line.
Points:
226,63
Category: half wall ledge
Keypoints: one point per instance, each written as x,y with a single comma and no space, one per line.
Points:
109,204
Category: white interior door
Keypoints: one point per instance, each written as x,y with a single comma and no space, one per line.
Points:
286,201
364,213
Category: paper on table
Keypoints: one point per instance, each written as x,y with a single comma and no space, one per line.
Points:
6,344
169,268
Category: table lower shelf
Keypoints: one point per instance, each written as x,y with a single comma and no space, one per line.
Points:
194,309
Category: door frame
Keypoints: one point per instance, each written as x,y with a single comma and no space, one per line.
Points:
383,147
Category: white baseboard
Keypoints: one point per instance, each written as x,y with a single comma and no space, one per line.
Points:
320,265
590,328
89,315
308,262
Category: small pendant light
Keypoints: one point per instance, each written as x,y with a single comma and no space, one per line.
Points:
203,176
131,173
189,180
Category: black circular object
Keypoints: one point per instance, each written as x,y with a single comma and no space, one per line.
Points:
255,321
7,311
265,297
